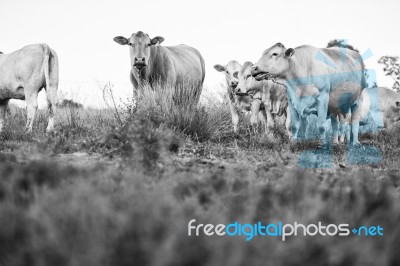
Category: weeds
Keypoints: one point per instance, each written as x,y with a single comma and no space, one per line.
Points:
172,161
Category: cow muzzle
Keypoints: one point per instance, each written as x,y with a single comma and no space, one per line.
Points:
139,63
259,75
239,92
234,84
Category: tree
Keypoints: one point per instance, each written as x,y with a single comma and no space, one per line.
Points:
70,104
341,43
392,69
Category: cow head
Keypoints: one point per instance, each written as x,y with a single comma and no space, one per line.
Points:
228,70
393,114
274,62
247,84
140,44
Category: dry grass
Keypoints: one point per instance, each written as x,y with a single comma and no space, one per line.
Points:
168,163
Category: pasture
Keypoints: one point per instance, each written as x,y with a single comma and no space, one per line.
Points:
118,186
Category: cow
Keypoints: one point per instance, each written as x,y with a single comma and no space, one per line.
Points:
324,81
264,93
380,107
178,66
23,74
237,104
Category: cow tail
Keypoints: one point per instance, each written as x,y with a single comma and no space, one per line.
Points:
364,79
203,70
364,83
46,60
50,70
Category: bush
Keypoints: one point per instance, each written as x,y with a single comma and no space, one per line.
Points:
178,109
69,104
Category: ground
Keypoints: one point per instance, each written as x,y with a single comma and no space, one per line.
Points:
119,188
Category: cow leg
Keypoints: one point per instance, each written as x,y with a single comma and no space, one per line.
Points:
335,129
235,116
294,122
355,122
3,111
52,107
31,107
322,109
344,127
287,123
303,128
270,119
255,109
262,116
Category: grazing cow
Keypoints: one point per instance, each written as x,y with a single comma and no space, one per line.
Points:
264,93
23,74
327,82
177,66
380,107
237,103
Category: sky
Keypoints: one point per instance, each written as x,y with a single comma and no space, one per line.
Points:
82,32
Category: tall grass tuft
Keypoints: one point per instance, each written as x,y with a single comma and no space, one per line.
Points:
179,110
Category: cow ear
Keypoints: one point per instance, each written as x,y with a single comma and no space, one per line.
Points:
289,52
219,68
236,74
398,104
121,40
156,40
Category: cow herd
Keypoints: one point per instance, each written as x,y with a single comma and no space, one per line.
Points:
295,83
328,83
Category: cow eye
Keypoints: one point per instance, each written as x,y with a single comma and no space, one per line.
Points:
130,44
274,54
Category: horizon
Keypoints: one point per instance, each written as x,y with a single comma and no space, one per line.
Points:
82,34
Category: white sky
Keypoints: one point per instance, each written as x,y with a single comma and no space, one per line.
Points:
82,33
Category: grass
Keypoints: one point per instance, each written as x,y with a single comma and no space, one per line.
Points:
162,164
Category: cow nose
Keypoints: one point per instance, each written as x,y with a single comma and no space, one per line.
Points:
234,84
139,61
238,90
254,70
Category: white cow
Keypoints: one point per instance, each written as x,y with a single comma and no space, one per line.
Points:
23,74
237,104
324,81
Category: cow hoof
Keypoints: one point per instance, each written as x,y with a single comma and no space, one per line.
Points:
355,144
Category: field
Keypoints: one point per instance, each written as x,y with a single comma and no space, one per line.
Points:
118,186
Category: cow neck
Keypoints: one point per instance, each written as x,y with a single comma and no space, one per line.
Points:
231,95
154,50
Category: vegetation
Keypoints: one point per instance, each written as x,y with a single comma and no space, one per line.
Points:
392,69
108,191
70,103
341,43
